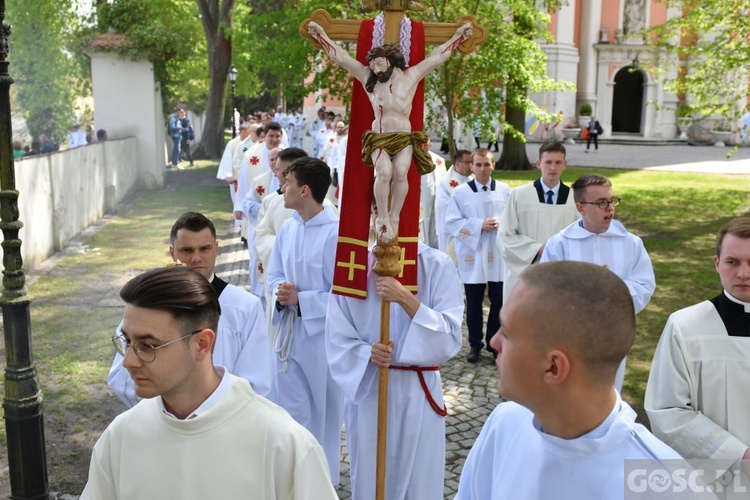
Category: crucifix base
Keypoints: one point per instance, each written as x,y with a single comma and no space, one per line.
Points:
387,257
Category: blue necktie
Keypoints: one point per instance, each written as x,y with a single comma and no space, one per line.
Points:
549,197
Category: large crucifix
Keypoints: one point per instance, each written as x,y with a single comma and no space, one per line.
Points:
390,66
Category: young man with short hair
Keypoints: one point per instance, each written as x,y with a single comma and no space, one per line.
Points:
473,219
242,345
300,278
698,392
254,162
599,239
565,432
201,432
534,213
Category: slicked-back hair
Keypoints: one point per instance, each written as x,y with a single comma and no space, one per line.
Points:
311,172
291,154
459,154
552,147
586,180
192,221
583,309
738,227
178,290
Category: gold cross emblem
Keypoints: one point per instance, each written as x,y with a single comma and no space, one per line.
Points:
403,262
464,233
490,256
469,260
351,265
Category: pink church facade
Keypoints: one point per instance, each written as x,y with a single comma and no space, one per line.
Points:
596,49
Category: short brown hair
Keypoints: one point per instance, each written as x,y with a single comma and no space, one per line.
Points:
585,309
552,147
738,227
194,222
586,180
482,152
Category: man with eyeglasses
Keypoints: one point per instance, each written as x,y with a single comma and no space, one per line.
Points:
200,432
242,344
459,173
599,239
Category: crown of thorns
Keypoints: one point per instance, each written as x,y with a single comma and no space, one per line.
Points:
388,51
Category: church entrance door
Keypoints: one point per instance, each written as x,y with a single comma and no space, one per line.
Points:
627,102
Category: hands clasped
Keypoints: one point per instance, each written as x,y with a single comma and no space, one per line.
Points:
287,295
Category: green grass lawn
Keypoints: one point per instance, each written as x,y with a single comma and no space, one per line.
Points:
678,216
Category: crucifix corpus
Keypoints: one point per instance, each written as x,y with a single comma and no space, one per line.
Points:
386,132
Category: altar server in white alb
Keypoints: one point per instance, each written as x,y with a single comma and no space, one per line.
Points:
263,185
698,392
535,212
242,345
272,215
598,238
427,194
473,219
200,432
458,173
300,277
226,171
425,331
255,161
565,432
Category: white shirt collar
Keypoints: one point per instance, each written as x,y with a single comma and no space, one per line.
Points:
737,301
555,189
224,386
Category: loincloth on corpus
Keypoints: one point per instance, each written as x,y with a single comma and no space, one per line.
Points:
393,143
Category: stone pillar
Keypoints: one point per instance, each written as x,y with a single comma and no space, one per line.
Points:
591,15
127,103
562,64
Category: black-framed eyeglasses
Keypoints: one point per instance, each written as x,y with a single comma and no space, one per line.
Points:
145,351
614,201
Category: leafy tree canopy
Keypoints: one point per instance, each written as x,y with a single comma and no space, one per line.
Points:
711,40
47,76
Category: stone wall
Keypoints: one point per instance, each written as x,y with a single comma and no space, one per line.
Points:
62,193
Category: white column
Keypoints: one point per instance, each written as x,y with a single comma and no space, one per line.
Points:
566,20
591,16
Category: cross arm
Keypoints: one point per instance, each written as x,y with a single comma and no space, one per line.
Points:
347,30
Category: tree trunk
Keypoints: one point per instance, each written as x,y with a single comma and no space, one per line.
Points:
514,155
216,17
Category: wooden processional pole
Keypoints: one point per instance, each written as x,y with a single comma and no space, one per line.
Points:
388,254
